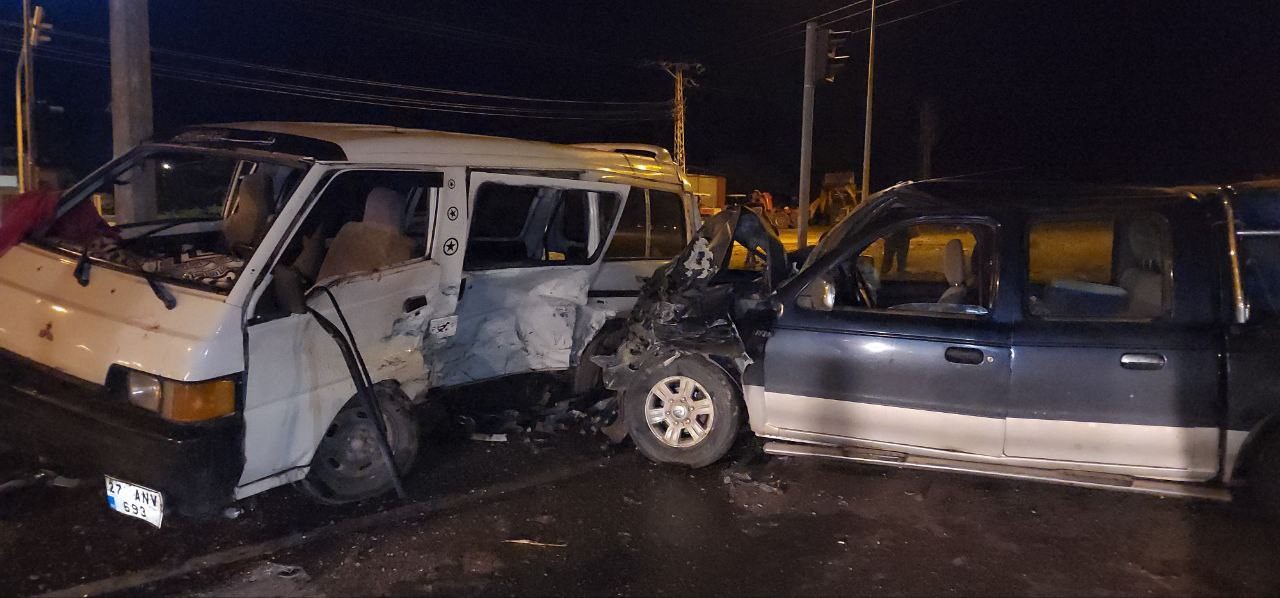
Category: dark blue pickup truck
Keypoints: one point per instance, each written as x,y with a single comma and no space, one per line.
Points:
1125,338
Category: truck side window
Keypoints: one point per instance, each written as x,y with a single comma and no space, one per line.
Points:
521,226
1099,267
935,268
1260,261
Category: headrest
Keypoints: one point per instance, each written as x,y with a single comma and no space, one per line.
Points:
953,262
384,207
248,223
1145,242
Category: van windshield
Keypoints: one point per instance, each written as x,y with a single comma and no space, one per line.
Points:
188,216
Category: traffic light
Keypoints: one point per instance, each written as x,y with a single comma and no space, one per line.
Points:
831,61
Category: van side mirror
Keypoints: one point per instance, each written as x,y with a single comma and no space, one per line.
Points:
820,295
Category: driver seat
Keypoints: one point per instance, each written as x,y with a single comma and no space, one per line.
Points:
244,228
954,267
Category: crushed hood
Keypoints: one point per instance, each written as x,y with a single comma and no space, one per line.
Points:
694,302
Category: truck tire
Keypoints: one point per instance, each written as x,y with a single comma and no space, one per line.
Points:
347,465
686,412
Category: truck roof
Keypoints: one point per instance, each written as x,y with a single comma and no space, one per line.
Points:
381,144
1005,194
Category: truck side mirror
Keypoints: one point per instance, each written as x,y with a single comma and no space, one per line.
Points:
820,295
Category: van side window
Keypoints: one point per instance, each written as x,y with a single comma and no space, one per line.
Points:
516,226
629,241
364,220
1099,268
667,228
652,226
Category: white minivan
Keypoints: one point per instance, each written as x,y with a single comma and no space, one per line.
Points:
218,340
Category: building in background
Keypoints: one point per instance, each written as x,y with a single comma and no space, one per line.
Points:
710,191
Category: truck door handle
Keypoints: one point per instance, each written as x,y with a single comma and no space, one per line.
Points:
1142,361
414,303
964,355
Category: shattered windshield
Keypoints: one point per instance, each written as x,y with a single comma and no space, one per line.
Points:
188,216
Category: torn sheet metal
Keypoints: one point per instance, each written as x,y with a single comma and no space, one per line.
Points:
695,303
513,321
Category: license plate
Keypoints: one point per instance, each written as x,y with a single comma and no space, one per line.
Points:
135,501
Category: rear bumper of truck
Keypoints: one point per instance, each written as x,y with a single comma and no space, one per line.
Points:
84,431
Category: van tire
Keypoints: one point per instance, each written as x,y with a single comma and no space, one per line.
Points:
655,440
347,465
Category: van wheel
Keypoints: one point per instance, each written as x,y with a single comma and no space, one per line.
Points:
1263,481
687,412
348,465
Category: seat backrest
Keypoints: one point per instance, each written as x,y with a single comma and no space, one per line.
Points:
954,267
1144,276
374,242
244,228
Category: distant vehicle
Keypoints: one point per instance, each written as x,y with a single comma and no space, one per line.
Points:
297,279
1123,338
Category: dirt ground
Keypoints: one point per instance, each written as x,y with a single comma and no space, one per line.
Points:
618,525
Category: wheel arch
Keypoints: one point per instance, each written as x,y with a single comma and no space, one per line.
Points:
1264,432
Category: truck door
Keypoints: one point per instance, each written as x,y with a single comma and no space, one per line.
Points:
380,240
1116,358
531,254
913,358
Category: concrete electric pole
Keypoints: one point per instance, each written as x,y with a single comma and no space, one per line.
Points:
866,131
131,101
677,70
34,32
821,53
806,131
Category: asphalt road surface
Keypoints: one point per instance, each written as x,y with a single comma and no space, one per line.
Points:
563,516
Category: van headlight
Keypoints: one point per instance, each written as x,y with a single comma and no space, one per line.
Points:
181,401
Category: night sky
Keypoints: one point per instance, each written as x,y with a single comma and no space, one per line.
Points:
1111,91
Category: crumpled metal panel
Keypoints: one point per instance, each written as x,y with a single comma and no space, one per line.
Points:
690,304
518,320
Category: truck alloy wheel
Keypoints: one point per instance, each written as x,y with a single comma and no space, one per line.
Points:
685,412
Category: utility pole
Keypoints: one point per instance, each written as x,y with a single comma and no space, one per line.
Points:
806,131
821,53
131,101
866,131
677,70
33,34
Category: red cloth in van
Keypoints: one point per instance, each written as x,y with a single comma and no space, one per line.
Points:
23,214
32,210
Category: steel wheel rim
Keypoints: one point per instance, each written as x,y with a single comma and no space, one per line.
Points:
355,454
679,412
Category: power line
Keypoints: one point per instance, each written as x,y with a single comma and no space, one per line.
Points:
853,32
419,26
783,33
352,80
357,98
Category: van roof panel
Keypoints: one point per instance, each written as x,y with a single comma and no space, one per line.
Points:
397,145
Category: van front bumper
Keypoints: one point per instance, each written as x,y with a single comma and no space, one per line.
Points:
84,431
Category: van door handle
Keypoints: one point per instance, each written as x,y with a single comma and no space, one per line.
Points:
414,303
1142,361
964,355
